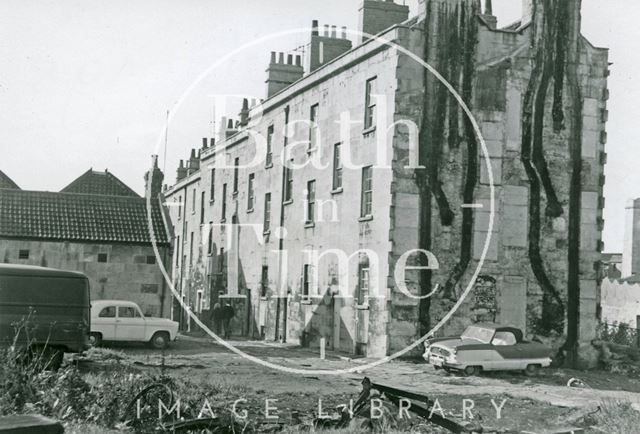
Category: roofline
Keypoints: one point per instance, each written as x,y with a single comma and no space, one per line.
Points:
84,241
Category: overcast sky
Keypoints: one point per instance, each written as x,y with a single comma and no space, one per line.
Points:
87,83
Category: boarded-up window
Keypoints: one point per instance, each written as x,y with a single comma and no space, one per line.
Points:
491,89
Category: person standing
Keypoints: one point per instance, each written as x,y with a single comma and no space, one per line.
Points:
227,315
216,316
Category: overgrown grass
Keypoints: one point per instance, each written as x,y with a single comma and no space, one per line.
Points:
103,400
614,416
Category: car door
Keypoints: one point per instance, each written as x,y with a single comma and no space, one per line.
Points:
130,324
105,323
504,343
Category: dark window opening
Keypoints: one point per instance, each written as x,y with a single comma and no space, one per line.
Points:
264,281
224,202
102,257
236,165
306,280
151,259
269,156
366,192
250,192
267,212
337,166
288,186
313,126
311,201
369,104
363,284
23,254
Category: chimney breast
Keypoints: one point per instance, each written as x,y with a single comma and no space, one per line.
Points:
325,48
376,16
281,74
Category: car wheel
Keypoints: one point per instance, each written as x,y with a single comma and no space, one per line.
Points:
532,370
470,371
160,340
95,339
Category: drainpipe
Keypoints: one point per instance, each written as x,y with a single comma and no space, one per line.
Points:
281,239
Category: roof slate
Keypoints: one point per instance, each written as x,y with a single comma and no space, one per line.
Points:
78,217
105,183
6,182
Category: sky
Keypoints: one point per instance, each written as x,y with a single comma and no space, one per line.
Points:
88,83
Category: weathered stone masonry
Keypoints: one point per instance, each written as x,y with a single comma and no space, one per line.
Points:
537,89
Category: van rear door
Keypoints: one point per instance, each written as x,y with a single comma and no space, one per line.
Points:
45,309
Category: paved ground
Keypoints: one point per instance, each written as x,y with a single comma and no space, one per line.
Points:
531,403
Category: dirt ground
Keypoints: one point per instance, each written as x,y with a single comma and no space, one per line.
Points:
527,404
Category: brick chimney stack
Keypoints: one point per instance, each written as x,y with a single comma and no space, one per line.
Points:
326,47
156,177
244,112
378,15
181,173
281,74
194,163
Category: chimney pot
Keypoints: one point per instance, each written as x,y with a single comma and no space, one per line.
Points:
204,143
333,32
314,28
290,59
273,57
212,142
230,124
298,60
281,58
326,30
344,32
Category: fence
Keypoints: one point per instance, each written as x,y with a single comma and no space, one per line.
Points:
621,334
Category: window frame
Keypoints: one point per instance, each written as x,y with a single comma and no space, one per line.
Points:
266,222
313,126
366,192
337,166
236,174
311,202
105,308
288,184
22,255
223,208
369,103
269,154
251,194
202,199
364,286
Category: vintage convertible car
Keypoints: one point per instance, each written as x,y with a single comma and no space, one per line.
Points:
487,347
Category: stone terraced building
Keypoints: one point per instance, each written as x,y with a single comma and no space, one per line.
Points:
96,225
538,90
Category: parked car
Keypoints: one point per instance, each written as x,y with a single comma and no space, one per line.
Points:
487,347
44,310
119,320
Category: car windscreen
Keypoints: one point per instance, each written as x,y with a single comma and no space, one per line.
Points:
481,334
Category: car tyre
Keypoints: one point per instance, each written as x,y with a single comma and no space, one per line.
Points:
160,340
471,371
95,339
532,370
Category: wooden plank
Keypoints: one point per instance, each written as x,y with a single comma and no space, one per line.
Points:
29,424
